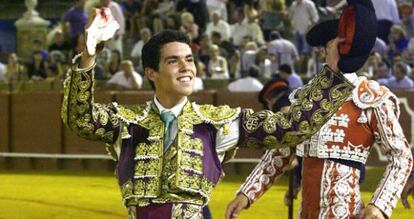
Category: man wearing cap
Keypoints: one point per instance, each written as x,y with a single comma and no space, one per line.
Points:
169,151
334,157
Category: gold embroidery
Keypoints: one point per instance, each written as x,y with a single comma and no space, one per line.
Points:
186,211
87,119
303,107
216,114
270,141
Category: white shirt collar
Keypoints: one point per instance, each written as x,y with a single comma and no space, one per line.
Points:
176,110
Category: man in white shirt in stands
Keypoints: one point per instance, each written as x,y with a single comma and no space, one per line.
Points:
127,78
218,25
250,83
283,51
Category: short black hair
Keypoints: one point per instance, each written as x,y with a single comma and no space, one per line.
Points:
285,68
151,52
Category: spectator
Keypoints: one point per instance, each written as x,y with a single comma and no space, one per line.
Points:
248,57
262,60
165,9
59,44
217,65
136,51
127,78
171,23
387,15
226,48
238,29
271,16
77,17
204,50
219,6
234,65
38,68
282,51
382,73
114,65
218,25
400,79
303,14
197,8
38,47
249,83
250,10
408,54
398,40
57,64
201,74
116,41
188,26
101,59
380,47
406,14
255,31
293,79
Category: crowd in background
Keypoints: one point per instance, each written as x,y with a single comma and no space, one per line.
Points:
237,40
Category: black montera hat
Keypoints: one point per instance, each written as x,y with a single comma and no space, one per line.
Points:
322,33
357,25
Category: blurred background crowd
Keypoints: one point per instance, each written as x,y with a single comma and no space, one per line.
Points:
245,42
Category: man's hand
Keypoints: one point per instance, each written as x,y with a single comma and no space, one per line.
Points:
86,59
332,53
408,189
371,212
101,26
236,206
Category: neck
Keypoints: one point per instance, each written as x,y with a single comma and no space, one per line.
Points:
169,101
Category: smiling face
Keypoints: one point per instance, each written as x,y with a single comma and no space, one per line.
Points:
176,72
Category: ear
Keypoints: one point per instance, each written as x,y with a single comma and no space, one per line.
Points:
151,74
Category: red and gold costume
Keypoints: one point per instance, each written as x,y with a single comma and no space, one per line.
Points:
332,158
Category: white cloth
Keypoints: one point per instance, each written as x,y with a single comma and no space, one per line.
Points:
303,15
246,84
386,10
103,28
120,79
221,27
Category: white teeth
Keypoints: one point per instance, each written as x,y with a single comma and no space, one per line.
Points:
184,79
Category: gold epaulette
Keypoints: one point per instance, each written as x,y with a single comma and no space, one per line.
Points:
133,113
216,115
